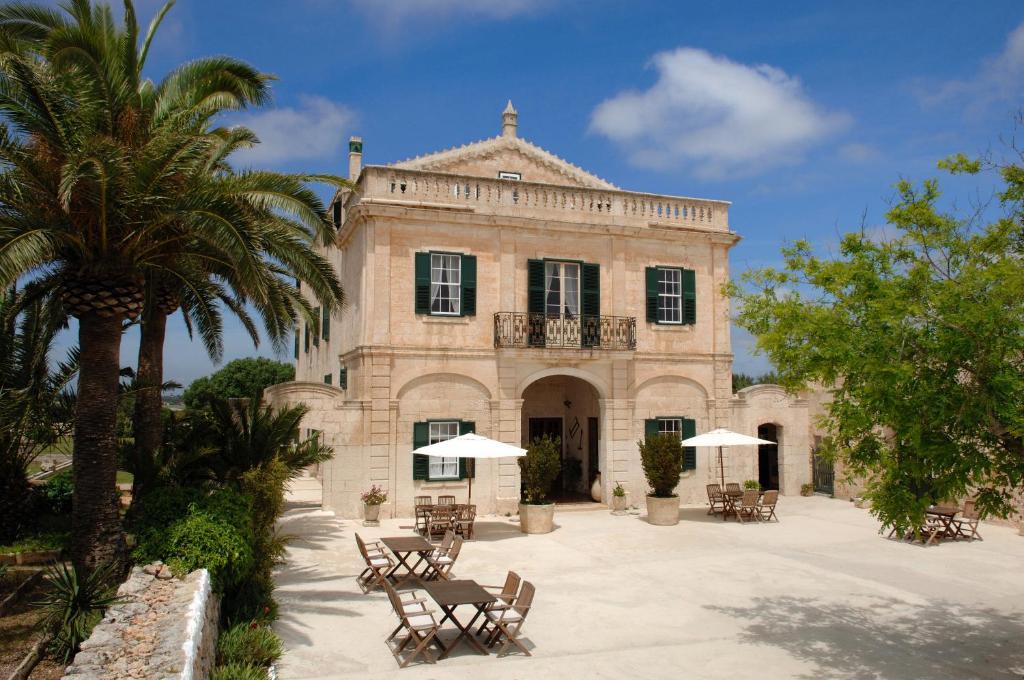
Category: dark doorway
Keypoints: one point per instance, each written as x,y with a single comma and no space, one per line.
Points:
593,465
768,456
551,427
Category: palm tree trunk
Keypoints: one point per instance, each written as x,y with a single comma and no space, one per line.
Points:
96,521
148,424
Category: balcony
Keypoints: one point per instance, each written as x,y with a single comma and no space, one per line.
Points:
537,330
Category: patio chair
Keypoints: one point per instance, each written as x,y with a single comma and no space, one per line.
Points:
445,545
506,595
440,520
716,499
733,489
446,500
419,623
747,508
422,500
378,564
463,520
440,568
966,524
422,513
508,620
766,508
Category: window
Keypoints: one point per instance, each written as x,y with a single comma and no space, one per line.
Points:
445,283
670,295
670,426
504,174
562,289
444,468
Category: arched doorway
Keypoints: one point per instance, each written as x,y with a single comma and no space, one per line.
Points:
768,456
567,407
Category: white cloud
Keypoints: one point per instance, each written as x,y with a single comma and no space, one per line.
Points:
715,116
315,129
858,152
999,79
393,13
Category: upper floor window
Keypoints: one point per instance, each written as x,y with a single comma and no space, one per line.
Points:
670,295
673,426
505,174
445,284
562,289
444,468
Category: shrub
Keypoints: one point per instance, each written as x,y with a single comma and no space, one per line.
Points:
239,379
618,491
540,466
75,603
375,496
54,496
806,489
662,459
239,671
249,642
752,484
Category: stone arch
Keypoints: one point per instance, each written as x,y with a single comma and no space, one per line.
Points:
603,391
665,379
418,380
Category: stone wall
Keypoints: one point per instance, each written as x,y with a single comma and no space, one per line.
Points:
165,627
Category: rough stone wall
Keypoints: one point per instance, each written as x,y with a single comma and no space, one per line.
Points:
165,627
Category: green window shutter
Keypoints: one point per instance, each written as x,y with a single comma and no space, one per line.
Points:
328,378
327,324
651,276
468,307
689,296
689,452
650,427
420,463
590,298
466,465
306,326
422,283
535,286
296,343
316,328
343,378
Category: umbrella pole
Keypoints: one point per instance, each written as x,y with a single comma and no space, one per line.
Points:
721,466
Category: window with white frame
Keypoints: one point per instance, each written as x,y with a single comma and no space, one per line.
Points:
562,289
444,468
445,283
670,426
670,295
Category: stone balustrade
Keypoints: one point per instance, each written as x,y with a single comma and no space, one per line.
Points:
380,184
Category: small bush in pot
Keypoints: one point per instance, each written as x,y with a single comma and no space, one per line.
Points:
372,500
539,467
752,485
662,458
618,499
806,489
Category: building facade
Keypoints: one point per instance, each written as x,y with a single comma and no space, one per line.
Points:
497,288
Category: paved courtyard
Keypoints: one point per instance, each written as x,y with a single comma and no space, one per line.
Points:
818,595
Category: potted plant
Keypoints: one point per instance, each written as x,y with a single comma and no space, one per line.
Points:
662,459
372,500
539,467
806,489
752,485
618,499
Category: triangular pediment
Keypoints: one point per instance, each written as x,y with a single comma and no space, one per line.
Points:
492,156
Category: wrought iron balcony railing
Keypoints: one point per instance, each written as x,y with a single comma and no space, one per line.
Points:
528,329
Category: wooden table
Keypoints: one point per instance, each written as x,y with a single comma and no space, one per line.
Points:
730,499
942,522
450,594
403,547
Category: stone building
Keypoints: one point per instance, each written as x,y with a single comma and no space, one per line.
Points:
498,288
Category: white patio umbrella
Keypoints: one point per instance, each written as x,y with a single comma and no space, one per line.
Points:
722,438
473,446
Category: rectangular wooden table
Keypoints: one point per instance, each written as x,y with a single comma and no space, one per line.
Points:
941,522
403,547
729,501
450,594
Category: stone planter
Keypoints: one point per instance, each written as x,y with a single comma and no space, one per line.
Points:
595,488
371,513
618,504
536,519
663,512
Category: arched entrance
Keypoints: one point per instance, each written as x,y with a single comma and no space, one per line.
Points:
567,407
768,456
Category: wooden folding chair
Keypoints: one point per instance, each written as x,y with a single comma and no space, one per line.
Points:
766,508
419,624
966,524
463,520
446,500
506,595
440,520
421,509
747,508
716,499
378,564
440,567
733,489
508,620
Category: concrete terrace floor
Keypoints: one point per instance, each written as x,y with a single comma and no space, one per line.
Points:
818,595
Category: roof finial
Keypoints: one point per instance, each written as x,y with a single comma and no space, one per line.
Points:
509,120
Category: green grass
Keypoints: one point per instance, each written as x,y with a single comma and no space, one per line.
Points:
124,477
43,541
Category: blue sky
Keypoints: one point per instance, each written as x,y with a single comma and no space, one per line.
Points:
803,114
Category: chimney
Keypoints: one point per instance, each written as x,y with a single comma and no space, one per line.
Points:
355,157
509,120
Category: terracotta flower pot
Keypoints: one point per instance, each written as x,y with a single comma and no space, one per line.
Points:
663,512
536,519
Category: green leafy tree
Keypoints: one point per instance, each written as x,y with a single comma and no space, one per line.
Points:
239,379
742,380
921,336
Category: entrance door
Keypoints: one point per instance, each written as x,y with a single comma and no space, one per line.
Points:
551,427
768,457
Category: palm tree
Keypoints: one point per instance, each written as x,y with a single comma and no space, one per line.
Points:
95,163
